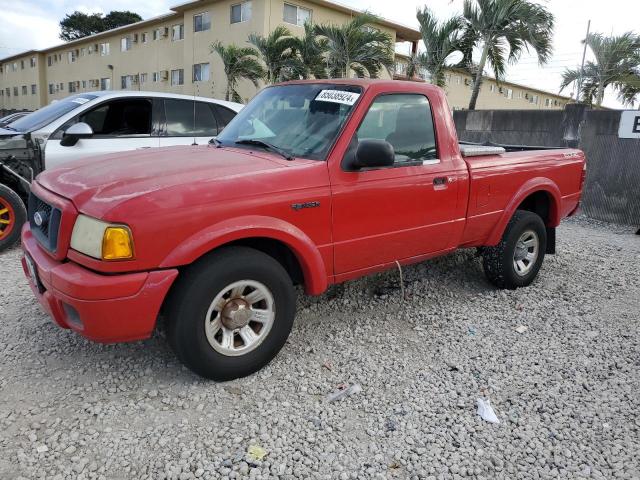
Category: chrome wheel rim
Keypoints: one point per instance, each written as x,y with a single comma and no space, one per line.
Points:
239,318
526,252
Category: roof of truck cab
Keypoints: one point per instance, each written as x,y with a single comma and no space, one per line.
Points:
365,83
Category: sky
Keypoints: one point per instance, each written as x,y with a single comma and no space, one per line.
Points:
30,24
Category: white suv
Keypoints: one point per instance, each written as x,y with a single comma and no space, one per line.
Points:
96,123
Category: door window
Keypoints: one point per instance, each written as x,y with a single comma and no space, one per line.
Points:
120,118
180,115
224,115
405,121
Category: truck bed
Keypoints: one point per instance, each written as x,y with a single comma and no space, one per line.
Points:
497,179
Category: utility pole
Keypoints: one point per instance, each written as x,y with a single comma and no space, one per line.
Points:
584,54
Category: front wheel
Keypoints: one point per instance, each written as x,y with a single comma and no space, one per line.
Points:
13,214
516,260
230,313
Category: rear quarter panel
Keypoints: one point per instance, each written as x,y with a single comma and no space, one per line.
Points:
499,183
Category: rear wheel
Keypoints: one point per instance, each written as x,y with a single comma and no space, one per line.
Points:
13,215
230,313
516,260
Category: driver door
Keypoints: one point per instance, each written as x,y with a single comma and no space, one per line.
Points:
399,212
118,125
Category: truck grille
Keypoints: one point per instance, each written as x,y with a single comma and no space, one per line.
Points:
45,222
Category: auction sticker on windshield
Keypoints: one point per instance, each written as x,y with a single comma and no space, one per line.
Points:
338,96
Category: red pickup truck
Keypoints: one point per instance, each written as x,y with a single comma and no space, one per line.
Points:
313,183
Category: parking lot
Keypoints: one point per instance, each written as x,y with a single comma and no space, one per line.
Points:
566,389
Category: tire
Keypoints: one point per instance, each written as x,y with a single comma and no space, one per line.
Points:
202,334
13,215
500,263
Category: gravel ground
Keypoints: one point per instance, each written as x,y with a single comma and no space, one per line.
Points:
566,391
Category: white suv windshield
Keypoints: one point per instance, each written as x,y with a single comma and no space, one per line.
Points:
302,120
48,114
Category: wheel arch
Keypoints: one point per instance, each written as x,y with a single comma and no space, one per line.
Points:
289,245
538,195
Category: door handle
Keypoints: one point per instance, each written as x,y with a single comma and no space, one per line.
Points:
440,181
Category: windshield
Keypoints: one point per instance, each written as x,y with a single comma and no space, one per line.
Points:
302,120
48,114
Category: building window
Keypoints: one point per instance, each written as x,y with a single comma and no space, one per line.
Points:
72,87
143,78
201,22
145,37
24,90
84,84
105,84
33,89
241,12
14,67
72,56
177,32
509,93
492,88
61,87
296,15
126,81
33,62
52,89
104,49
21,64
177,77
125,44
155,77
15,91
201,72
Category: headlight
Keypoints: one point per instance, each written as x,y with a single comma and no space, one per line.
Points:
101,240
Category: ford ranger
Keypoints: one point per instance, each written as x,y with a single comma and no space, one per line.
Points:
313,183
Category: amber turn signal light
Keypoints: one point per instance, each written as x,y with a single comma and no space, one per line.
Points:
117,244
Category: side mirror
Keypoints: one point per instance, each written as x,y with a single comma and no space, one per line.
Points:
372,153
74,133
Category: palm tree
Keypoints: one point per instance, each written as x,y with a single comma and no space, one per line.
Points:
500,26
357,47
277,52
239,63
311,50
616,63
440,40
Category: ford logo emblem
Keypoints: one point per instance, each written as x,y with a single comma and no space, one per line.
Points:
38,219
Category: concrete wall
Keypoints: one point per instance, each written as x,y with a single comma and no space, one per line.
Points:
612,188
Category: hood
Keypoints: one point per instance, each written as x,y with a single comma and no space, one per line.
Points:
6,133
172,176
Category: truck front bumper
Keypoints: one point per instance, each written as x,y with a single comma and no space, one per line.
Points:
102,308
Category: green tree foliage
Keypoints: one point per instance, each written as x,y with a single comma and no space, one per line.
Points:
239,63
78,25
616,63
440,40
502,30
356,46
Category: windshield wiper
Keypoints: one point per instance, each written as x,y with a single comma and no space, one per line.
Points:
266,145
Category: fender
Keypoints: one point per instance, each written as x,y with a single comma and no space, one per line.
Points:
533,185
253,226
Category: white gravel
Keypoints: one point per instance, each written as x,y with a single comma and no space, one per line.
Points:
566,390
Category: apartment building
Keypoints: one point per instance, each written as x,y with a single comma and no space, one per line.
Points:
493,95
169,53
